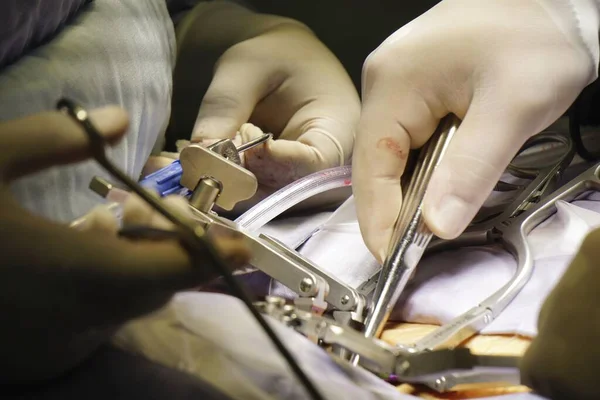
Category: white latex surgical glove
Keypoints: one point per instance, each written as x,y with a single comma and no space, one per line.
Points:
507,68
274,73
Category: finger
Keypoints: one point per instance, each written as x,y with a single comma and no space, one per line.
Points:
136,212
33,143
277,163
158,162
233,93
230,246
182,144
327,124
280,162
173,203
479,152
391,121
118,279
559,374
99,219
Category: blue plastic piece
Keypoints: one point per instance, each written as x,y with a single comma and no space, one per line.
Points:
166,181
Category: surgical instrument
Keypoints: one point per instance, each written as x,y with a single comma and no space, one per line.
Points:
441,370
182,176
534,204
278,261
411,239
189,231
316,289
493,225
508,229
410,236
531,162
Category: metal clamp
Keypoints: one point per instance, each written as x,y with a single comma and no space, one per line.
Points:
410,236
214,176
442,370
340,296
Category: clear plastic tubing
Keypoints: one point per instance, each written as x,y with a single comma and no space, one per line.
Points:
294,193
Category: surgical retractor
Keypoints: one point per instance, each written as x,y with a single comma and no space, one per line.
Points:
410,236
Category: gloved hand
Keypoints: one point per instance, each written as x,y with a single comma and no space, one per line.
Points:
64,291
561,361
507,68
275,73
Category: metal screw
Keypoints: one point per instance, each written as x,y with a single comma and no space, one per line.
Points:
321,328
404,367
345,299
440,384
306,285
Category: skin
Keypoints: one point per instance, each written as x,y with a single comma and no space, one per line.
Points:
560,363
81,285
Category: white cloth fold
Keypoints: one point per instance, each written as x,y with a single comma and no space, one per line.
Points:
451,282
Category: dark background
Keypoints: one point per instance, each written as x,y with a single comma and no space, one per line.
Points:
350,28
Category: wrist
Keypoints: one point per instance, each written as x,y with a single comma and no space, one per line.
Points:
579,20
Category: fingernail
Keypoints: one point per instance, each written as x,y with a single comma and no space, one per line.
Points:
449,217
382,255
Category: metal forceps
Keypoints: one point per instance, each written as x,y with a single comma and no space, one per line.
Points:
188,231
534,204
411,238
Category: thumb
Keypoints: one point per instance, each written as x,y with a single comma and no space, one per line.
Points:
478,154
39,141
230,100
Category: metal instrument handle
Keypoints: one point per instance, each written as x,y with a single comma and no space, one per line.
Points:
499,376
410,236
340,295
379,356
456,331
